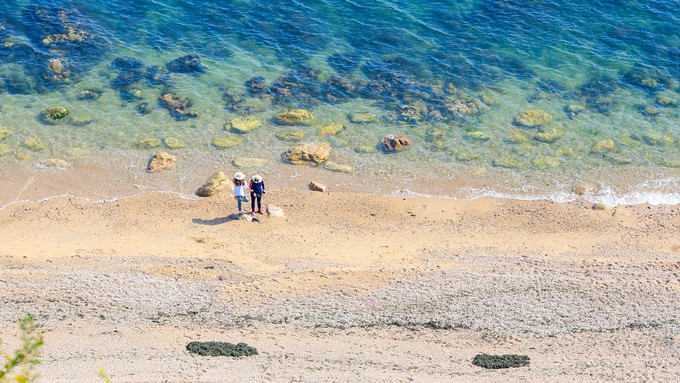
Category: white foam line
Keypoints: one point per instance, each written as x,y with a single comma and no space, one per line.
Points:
97,201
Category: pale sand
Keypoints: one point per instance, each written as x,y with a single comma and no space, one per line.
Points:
348,287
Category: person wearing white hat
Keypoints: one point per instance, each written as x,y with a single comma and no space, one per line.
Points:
240,189
256,191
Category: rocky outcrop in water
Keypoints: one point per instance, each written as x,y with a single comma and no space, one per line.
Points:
295,117
532,118
396,143
186,64
177,106
307,153
161,161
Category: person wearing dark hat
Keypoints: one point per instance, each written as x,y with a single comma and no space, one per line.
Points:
256,191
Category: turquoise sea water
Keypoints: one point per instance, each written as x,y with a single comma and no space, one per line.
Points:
453,76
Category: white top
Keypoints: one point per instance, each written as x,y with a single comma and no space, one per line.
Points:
240,190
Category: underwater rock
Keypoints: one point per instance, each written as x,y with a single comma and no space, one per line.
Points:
227,142
307,153
34,144
648,110
665,102
551,86
131,94
89,94
173,142
4,133
256,86
517,138
5,150
148,143
548,135
295,117
619,160
186,64
213,185
339,168
339,83
462,107
243,125
545,162
143,108
647,79
604,146
478,136
330,130
601,105
412,112
161,161
565,151
598,87
178,107
249,162
506,162
362,118
654,139
532,118
126,79
435,139
290,136
156,75
17,84
56,72
54,114
573,110
124,63
317,186
396,143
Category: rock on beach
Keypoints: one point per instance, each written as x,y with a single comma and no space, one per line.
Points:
161,161
317,186
213,185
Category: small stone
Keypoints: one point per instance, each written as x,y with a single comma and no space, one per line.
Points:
4,133
362,118
533,118
34,144
5,150
601,206
604,146
582,189
174,142
290,136
275,211
649,110
295,117
227,142
148,143
396,143
331,130
213,185
665,102
478,136
243,125
55,163
620,160
22,156
161,161
307,153
565,151
56,112
316,186
335,167
461,107
574,110
89,94
240,217
249,162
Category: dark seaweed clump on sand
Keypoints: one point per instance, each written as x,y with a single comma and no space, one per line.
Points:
221,349
500,361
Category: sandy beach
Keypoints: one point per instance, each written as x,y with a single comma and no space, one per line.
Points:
346,287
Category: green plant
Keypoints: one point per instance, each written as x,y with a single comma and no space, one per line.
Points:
500,361
25,358
103,375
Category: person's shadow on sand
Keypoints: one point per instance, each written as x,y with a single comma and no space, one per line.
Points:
212,222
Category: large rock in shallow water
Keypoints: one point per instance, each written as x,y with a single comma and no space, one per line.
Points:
532,119
213,185
161,161
54,114
179,107
186,64
4,133
396,143
243,125
295,117
307,153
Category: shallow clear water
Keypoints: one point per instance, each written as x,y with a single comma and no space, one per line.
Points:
408,62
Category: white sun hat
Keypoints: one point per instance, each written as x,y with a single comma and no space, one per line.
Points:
240,176
257,178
